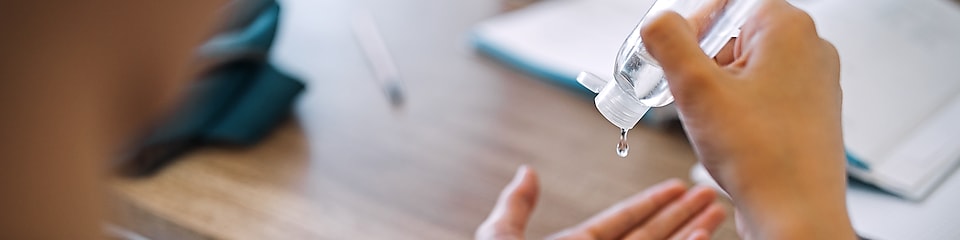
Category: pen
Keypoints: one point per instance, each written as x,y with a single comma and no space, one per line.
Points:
368,36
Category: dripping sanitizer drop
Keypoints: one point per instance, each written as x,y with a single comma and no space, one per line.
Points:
622,148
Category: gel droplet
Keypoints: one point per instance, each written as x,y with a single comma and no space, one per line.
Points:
622,148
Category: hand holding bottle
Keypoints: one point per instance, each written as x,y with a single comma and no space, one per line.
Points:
764,118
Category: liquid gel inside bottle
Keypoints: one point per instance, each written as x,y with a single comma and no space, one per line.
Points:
639,83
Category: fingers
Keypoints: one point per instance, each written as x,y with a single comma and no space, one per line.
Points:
619,219
671,218
706,221
702,19
673,42
726,54
509,216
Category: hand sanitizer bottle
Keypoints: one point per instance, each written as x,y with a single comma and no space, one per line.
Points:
639,83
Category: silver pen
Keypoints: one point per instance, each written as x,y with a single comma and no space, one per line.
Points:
368,36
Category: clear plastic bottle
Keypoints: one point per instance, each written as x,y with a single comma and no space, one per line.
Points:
639,83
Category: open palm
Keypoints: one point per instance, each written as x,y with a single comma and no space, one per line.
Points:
667,210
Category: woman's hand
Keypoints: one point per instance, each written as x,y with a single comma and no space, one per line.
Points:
764,118
665,211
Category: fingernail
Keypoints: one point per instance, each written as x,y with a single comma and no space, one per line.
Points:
518,176
707,190
704,187
521,171
674,182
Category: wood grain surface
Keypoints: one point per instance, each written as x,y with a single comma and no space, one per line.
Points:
349,166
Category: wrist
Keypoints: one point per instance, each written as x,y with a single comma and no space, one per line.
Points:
819,217
823,226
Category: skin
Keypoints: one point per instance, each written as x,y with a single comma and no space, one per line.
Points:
667,210
763,118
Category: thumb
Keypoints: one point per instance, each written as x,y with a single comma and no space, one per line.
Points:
673,42
509,217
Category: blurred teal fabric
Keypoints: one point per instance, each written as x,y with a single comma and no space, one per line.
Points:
235,103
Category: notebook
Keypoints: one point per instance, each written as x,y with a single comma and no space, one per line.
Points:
901,86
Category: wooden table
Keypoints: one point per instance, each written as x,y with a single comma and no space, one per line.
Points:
348,166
